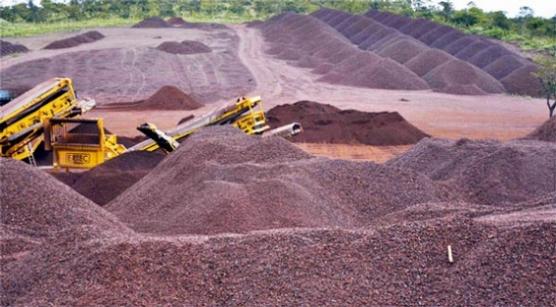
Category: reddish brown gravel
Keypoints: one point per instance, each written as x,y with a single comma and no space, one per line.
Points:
453,75
323,123
87,37
402,50
185,47
177,21
35,206
58,248
485,172
7,48
152,22
411,45
522,81
504,66
166,98
546,132
108,180
295,37
171,98
477,51
219,178
427,61
407,262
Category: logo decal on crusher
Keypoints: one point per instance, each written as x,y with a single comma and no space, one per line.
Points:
79,158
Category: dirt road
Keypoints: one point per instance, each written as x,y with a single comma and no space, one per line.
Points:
442,115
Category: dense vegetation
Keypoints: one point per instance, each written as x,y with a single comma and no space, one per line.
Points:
528,31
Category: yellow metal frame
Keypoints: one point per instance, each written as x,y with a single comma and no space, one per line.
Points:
55,97
246,114
69,154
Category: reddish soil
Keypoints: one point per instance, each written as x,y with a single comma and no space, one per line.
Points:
87,37
152,22
185,47
323,123
546,132
7,48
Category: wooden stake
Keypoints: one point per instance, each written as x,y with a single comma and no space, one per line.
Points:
450,258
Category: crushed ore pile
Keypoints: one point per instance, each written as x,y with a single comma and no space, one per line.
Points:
166,98
545,132
84,38
152,22
7,48
374,234
179,22
512,70
219,177
176,22
401,265
185,47
309,42
323,123
35,206
396,53
108,180
485,172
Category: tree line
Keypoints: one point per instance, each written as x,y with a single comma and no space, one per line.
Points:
493,24
50,10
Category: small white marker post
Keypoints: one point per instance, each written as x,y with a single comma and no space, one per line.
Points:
450,258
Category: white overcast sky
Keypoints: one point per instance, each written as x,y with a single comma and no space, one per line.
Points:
545,8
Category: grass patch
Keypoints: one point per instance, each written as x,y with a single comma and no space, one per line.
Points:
20,29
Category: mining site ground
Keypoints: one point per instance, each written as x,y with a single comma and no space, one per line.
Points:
498,116
389,197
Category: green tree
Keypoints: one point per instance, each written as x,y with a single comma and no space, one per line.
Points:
447,9
525,12
166,8
547,76
465,18
500,20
